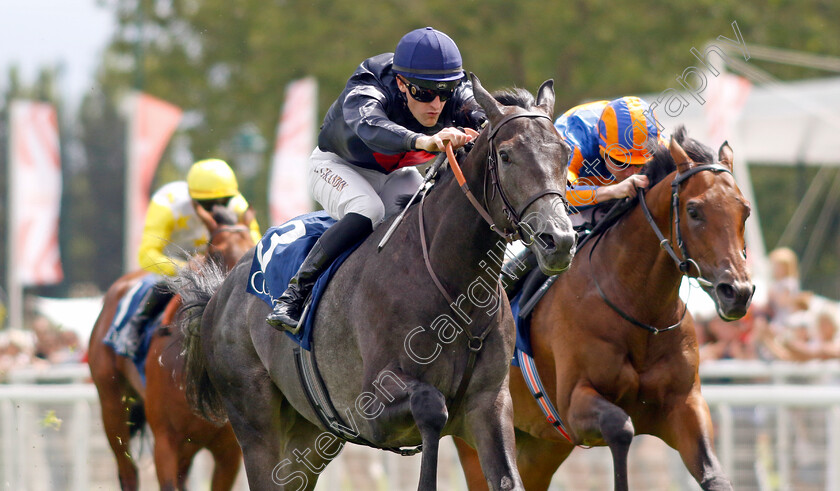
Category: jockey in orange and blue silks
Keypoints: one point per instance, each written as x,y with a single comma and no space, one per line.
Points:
611,141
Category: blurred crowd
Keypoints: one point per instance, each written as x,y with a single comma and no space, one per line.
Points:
793,325
40,345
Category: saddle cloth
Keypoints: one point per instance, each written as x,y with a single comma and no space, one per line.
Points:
279,255
121,341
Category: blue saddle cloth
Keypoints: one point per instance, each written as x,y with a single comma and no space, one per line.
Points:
279,255
523,330
128,305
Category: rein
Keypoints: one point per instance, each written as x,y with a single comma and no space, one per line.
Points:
683,265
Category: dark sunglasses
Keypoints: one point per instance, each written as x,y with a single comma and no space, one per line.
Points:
208,204
422,94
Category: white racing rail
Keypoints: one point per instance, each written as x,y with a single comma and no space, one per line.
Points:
776,403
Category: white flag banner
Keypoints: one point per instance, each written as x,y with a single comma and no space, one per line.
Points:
288,196
150,125
35,193
727,95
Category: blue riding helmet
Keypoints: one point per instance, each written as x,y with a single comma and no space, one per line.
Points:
428,55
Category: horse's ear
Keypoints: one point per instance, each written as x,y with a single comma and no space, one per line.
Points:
545,97
491,107
725,155
205,217
680,157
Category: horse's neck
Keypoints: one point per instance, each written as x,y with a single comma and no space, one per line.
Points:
643,269
462,247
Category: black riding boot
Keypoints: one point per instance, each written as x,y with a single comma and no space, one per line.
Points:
345,233
153,304
516,270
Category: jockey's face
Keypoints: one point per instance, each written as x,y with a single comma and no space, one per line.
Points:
426,113
620,170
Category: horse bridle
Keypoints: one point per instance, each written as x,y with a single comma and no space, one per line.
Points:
492,171
683,265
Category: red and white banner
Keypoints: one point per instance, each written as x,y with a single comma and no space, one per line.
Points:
288,196
151,123
35,193
727,95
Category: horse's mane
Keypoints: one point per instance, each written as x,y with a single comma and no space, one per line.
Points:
657,169
513,96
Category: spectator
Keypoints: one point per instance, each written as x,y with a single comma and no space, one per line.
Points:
784,287
17,349
728,340
798,344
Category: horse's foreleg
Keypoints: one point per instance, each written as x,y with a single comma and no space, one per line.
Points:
166,461
490,424
227,457
593,418
689,431
428,407
116,419
471,465
539,459
536,459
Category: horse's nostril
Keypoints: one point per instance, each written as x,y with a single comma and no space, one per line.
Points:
547,241
725,291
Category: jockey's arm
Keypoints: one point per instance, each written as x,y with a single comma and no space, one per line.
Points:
364,111
243,209
157,231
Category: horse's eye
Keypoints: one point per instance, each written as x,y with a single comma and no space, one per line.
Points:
693,213
505,158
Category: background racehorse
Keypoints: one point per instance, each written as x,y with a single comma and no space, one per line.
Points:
178,433
610,378
388,347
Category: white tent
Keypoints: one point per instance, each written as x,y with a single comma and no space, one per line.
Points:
780,124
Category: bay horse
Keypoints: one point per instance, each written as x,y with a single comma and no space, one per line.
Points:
127,404
398,368
607,370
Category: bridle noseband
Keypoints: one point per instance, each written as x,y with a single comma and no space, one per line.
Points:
685,264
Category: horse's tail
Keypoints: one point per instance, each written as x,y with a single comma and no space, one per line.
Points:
196,287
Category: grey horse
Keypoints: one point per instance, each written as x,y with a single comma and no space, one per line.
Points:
413,342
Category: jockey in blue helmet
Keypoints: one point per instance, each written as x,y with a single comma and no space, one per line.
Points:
395,110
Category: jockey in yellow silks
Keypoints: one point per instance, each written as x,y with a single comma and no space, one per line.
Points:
172,233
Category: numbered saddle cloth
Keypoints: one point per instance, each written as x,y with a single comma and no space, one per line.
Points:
279,255
134,345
